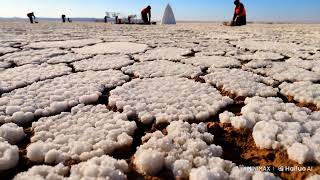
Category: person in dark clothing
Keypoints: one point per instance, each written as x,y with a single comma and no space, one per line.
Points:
146,15
31,17
69,20
63,18
105,19
240,15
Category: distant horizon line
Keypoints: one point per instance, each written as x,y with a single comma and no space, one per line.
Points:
189,21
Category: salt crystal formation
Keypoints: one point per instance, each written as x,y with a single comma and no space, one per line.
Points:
162,68
163,53
281,125
32,56
303,92
213,62
64,44
260,55
313,65
241,83
68,58
43,172
103,167
5,50
113,48
86,132
168,99
168,16
102,62
53,96
21,76
9,155
286,72
186,146
4,65
12,133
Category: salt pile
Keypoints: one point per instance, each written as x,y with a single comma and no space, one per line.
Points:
168,99
43,172
21,76
162,68
241,83
9,155
86,132
12,133
102,62
56,95
113,48
168,16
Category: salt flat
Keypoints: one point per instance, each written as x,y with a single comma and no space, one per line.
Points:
190,101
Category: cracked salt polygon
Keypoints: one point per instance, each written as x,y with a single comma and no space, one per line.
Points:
9,155
86,132
4,65
21,76
241,83
104,167
162,68
12,133
102,62
168,99
68,58
163,53
260,55
285,72
313,65
5,50
168,16
255,64
282,125
43,172
113,48
213,61
64,44
186,146
303,92
56,95
32,56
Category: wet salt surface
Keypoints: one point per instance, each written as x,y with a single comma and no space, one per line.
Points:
259,61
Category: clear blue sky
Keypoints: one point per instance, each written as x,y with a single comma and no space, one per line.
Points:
261,10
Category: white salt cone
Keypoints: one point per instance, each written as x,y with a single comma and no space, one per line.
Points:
168,16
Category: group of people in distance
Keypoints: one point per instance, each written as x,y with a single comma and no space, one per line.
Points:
63,17
239,17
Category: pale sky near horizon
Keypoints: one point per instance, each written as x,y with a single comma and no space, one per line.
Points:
193,10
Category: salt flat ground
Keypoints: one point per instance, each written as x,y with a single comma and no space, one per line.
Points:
191,101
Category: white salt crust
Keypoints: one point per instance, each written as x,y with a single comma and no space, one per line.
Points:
163,53
281,71
303,92
68,58
5,50
314,177
4,65
255,64
113,48
32,56
86,132
186,146
102,62
281,125
44,172
64,44
241,83
162,68
213,62
9,155
21,76
103,167
260,55
168,99
12,133
56,95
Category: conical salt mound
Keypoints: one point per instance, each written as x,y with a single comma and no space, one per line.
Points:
168,16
